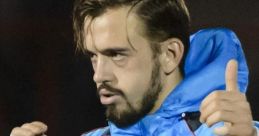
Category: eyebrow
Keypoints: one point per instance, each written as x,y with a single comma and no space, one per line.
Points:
114,50
110,51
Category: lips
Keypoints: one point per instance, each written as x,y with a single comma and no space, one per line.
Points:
108,97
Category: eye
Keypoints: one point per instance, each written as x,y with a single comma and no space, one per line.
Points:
117,56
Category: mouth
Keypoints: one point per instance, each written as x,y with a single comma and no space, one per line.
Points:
107,97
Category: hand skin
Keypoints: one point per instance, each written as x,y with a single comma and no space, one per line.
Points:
230,106
35,128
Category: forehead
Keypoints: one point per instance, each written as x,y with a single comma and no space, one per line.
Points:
114,28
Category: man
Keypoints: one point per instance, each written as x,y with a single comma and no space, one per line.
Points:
137,49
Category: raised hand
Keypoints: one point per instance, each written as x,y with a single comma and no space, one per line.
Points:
35,128
229,106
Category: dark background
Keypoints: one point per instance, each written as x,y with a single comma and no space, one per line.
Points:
42,78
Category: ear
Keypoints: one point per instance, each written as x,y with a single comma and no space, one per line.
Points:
171,54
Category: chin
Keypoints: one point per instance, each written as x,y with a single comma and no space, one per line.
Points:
125,117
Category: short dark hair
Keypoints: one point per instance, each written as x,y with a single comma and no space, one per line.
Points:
163,19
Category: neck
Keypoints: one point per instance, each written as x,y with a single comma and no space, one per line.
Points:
170,82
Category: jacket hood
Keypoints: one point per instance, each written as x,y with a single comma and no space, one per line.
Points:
205,64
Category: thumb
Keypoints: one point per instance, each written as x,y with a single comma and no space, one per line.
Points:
231,76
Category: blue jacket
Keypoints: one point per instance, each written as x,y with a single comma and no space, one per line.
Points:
210,50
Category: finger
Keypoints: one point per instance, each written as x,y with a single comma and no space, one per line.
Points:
231,75
233,117
17,131
214,107
43,126
224,130
212,97
222,96
237,106
240,129
220,116
216,95
33,128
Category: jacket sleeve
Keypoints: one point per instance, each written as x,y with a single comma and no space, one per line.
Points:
97,132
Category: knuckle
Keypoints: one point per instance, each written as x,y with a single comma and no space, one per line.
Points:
40,125
209,121
218,94
32,128
219,115
25,125
203,116
14,130
216,105
216,117
215,94
37,123
36,129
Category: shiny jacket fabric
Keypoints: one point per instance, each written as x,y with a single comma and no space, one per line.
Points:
210,50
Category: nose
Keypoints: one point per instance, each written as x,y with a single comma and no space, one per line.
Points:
103,71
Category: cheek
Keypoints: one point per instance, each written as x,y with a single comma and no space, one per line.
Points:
135,81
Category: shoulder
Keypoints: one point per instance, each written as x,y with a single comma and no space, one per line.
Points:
98,132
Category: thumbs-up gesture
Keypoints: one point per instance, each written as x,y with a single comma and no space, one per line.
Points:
229,106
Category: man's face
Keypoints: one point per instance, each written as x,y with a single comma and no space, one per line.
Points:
127,75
